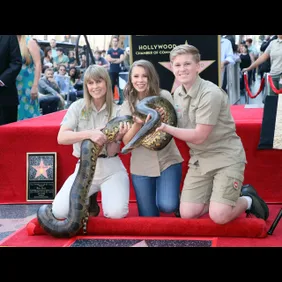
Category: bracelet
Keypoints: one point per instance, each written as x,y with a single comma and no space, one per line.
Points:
118,141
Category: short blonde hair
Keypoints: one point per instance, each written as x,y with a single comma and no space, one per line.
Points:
185,49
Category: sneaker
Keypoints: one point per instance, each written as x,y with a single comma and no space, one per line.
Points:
258,208
94,208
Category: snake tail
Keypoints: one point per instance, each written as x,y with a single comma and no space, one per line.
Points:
69,226
79,201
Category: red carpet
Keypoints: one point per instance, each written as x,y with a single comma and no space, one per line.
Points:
134,226
166,226
21,238
263,171
274,240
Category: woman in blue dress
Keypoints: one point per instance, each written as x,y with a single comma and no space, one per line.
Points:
27,79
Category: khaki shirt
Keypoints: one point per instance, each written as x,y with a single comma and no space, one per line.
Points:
78,119
274,50
151,163
206,103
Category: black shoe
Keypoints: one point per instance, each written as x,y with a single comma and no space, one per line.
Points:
94,208
258,208
177,213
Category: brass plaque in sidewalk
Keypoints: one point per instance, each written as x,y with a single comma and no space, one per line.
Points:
41,176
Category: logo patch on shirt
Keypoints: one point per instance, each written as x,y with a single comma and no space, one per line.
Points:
178,111
235,184
85,114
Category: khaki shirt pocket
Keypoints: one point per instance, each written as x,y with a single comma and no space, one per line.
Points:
192,116
83,124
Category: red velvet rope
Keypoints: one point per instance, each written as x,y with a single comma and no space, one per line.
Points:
274,89
248,88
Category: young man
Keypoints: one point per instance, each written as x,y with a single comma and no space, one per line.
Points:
216,168
115,57
49,93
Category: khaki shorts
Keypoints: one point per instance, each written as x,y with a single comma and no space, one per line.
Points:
220,185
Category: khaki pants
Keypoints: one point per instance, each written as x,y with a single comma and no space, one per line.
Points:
220,185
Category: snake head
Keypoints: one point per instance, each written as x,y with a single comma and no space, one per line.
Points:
127,149
131,145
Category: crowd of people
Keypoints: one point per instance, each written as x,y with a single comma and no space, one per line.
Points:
50,79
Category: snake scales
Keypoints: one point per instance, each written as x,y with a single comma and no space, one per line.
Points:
146,136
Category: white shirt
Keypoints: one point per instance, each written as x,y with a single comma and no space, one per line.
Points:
226,52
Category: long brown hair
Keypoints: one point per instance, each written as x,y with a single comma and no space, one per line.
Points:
130,92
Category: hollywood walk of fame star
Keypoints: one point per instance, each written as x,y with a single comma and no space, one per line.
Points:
140,244
203,65
41,169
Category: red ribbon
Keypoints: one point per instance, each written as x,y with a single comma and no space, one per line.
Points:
274,89
248,88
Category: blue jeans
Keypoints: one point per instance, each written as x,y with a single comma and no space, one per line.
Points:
158,194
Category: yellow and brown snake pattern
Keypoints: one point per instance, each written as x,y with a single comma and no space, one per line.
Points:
146,136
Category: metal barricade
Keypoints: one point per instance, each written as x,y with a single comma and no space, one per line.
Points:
233,83
266,88
123,78
247,97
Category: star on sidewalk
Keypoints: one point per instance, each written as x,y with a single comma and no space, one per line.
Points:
41,169
141,244
203,65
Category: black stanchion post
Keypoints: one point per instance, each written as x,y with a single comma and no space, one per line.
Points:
275,222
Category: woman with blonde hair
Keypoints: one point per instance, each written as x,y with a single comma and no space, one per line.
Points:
27,79
84,120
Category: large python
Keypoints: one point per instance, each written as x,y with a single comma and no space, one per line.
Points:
146,136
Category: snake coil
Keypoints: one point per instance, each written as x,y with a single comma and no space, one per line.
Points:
146,136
